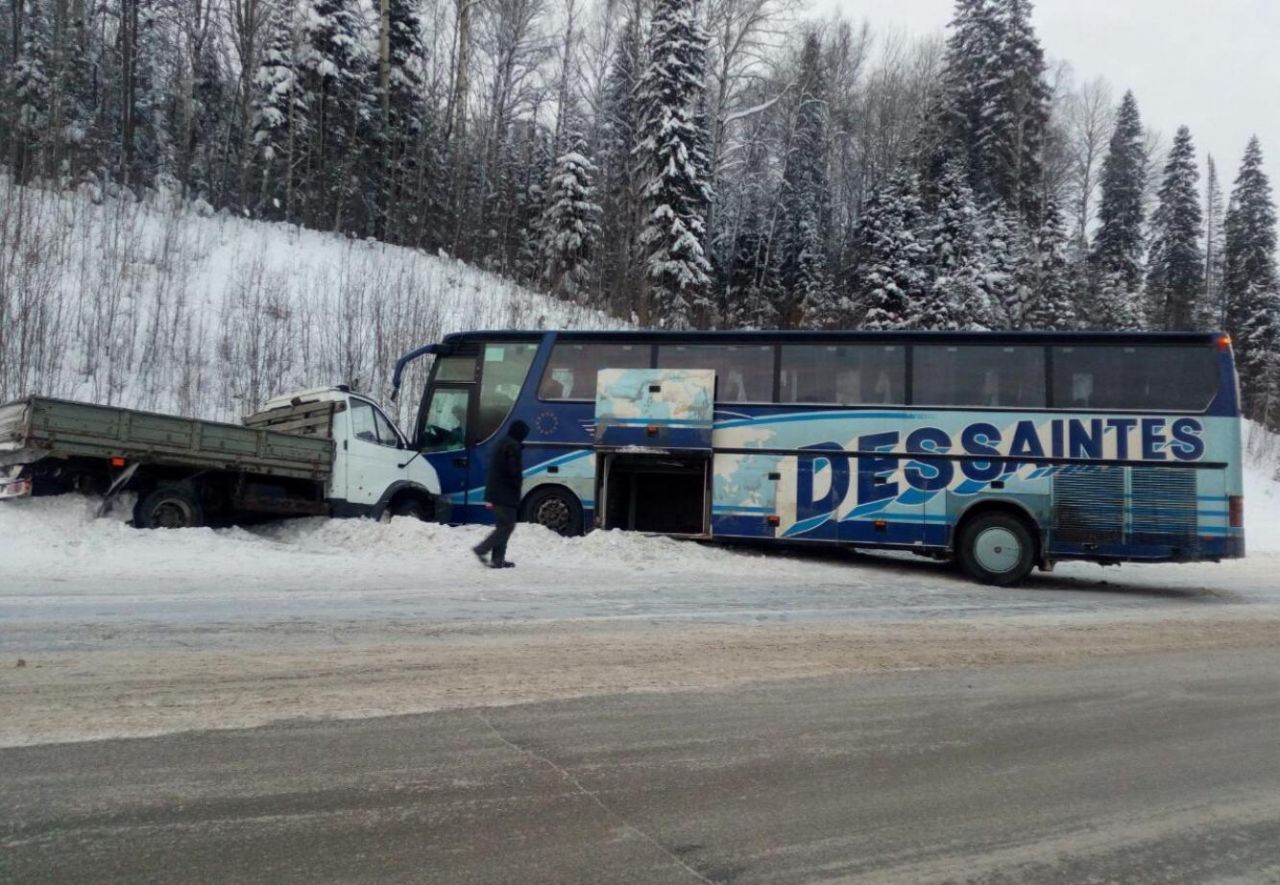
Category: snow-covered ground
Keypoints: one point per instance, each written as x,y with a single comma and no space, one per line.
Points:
162,306
124,632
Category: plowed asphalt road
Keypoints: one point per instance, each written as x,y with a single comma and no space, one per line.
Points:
1154,768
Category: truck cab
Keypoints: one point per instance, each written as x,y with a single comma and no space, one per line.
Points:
376,471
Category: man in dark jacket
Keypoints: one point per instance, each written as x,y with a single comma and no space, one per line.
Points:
502,492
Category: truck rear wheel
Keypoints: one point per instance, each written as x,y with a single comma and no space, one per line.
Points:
171,505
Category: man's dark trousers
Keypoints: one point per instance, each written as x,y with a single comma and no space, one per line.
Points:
505,517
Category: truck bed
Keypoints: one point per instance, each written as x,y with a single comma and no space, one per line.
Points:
36,428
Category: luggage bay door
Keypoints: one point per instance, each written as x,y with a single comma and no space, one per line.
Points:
653,443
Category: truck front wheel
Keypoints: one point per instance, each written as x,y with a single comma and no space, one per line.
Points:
413,507
172,505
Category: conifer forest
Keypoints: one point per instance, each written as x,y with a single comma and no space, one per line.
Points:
673,163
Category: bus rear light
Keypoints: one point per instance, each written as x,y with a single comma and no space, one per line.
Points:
1235,510
773,520
1224,342
117,462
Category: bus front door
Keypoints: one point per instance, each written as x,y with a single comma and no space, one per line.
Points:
443,440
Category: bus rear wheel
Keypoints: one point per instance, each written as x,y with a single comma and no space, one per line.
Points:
997,549
557,509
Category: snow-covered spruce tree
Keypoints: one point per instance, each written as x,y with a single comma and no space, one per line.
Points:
1010,271
749,302
337,94
675,192
970,51
892,280
1175,272
75,57
531,200
1053,306
153,148
1014,115
402,122
994,108
955,296
279,116
619,134
202,170
807,293
1213,304
28,87
571,221
1253,312
1116,260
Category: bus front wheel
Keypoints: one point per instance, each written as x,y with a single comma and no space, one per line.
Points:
557,509
997,549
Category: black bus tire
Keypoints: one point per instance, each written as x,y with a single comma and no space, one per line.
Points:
170,505
555,508
997,549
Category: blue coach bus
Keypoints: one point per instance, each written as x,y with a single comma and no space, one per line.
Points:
1000,451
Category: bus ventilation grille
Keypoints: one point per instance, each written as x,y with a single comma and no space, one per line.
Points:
1088,506
1164,506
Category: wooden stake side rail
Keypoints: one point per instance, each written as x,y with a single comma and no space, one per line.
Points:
42,427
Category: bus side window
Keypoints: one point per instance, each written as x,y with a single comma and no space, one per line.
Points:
1081,389
501,380
979,376
571,371
1160,377
744,372
844,374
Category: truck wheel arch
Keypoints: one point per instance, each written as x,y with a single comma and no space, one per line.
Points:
399,491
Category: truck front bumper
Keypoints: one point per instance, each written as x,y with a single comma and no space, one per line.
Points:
13,484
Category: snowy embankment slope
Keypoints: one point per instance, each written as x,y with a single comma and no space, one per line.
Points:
161,306
1262,489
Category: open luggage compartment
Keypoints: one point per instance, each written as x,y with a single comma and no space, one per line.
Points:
664,493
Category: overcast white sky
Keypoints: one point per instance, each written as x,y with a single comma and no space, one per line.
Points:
1213,65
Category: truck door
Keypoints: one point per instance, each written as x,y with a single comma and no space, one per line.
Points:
443,440
374,453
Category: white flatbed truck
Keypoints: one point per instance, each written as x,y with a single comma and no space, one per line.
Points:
317,452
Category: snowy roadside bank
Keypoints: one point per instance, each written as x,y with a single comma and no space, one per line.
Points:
130,633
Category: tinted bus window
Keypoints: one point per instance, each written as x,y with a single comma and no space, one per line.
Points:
1167,378
744,373
505,368
982,376
571,371
844,374
456,368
